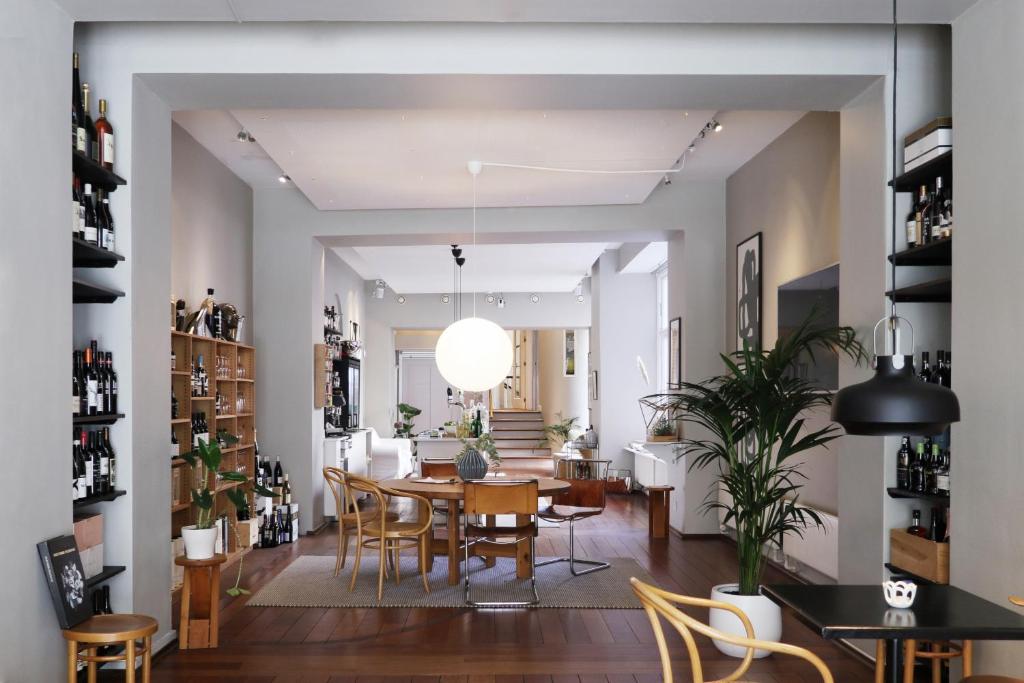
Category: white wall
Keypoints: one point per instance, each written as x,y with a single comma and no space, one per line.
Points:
345,290
558,393
211,229
35,291
988,98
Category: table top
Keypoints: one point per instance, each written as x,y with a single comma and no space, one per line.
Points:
455,491
939,612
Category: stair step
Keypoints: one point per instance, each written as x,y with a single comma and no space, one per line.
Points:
541,453
509,425
514,415
535,434
521,443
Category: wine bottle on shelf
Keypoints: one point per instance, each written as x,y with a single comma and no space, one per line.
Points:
940,367
943,479
286,491
278,472
77,112
111,459
947,375
101,380
915,527
91,144
91,385
911,225
175,446
90,232
939,222
931,471
75,472
903,465
104,221
202,378
926,369
88,467
76,388
104,458
76,207
105,135
917,470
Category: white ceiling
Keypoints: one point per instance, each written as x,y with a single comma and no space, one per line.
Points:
645,11
489,267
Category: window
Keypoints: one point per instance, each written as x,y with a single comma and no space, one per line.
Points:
661,286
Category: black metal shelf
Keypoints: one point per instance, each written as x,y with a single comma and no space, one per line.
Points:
88,171
909,575
83,292
101,498
85,255
925,174
107,573
933,291
937,253
105,419
940,501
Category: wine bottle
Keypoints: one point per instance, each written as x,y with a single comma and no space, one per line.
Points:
926,369
174,405
105,134
940,367
931,472
915,527
111,459
81,491
76,207
286,491
77,113
940,219
278,472
175,446
102,393
104,463
917,470
903,465
106,223
111,382
91,384
943,479
87,464
90,232
75,472
911,226
949,370
76,388
91,143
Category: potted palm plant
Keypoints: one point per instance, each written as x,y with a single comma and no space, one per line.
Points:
563,429
751,425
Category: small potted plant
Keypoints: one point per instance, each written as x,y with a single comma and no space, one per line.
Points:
470,461
403,428
563,429
663,430
201,537
450,428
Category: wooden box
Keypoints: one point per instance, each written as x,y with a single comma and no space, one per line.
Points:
927,559
248,532
88,530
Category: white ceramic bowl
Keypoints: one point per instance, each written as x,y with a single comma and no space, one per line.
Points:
900,594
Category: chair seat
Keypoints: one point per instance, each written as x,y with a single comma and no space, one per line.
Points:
111,628
485,531
991,679
394,528
563,513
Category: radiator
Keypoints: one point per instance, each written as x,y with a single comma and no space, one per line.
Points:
818,549
649,468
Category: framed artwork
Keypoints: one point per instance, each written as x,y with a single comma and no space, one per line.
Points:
569,353
593,385
675,353
748,292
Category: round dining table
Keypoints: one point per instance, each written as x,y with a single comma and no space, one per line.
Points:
453,490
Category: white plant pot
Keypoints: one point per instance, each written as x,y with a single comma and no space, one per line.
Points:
200,544
765,616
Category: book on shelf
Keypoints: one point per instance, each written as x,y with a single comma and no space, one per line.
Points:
65,578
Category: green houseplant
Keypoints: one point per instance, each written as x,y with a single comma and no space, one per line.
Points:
563,429
403,427
750,424
201,537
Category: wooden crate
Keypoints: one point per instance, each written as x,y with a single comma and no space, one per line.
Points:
927,559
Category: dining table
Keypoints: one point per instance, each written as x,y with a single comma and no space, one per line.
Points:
938,613
453,490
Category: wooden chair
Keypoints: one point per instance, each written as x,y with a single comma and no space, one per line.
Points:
348,514
584,498
501,497
994,679
111,629
391,536
439,469
659,604
937,652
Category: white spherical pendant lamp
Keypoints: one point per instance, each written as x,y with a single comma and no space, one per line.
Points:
474,354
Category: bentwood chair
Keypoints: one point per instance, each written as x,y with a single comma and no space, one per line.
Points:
350,517
501,497
584,498
390,537
660,604
439,469
993,679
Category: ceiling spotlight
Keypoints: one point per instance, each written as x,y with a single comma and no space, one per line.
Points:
691,148
244,136
445,299
534,298
578,291
501,302
667,179
716,126
378,289
579,298
283,178
490,298
400,299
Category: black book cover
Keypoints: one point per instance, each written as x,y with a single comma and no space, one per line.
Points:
66,580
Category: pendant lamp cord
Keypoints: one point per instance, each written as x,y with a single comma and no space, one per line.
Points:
895,168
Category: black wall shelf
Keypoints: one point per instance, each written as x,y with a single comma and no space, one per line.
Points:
105,419
109,571
933,291
88,171
87,293
937,253
85,255
937,501
101,498
925,174
907,575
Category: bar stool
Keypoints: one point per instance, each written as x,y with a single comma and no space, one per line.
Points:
111,629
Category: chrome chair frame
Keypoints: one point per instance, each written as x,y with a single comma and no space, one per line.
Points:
595,565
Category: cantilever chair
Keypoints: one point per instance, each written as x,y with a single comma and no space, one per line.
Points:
501,497
350,518
659,603
584,498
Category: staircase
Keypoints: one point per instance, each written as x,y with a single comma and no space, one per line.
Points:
520,434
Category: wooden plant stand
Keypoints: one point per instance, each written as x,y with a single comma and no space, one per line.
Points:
658,499
199,624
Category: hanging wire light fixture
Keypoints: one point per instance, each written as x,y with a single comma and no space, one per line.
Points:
895,401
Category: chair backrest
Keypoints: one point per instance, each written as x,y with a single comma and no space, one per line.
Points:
497,497
588,482
343,501
439,469
658,604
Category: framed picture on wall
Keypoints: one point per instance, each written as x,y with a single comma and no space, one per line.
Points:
675,353
569,353
748,292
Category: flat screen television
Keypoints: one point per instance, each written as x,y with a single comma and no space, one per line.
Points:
818,291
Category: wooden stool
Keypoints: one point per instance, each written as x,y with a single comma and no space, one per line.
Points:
111,629
938,651
658,498
200,606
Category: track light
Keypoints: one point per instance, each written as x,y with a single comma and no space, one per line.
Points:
445,299
579,298
534,299
490,298
378,289
283,178
691,148
716,126
501,302
244,136
578,291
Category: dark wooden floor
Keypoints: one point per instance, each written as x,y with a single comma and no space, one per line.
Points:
292,645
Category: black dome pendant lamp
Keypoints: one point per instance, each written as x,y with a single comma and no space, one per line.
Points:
895,402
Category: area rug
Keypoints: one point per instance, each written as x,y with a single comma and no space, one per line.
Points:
309,581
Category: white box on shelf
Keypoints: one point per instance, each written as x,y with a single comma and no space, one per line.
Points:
938,138
925,158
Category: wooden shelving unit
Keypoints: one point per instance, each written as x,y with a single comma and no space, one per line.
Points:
937,253
231,370
933,291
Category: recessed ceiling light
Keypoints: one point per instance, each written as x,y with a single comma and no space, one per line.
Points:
283,178
445,299
579,298
534,298
490,298
401,299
